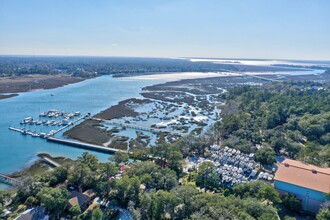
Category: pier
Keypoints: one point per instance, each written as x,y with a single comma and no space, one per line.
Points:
66,126
52,133
6,179
86,146
50,161
140,127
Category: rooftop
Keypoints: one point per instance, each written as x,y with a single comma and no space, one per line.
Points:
304,175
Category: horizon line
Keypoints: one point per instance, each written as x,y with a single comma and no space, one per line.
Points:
158,57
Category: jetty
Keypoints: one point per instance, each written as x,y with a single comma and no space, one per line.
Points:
86,146
6,179
140,127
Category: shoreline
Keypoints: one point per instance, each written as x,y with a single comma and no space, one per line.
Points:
222,78
28,83
38,166
7,96
93,132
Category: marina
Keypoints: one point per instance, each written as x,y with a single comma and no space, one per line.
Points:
63,122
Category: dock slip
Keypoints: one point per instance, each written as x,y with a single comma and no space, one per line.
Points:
140,127
86,146
7,179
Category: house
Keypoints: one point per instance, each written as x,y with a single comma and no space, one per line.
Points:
309,183
81,199
90,194
37,213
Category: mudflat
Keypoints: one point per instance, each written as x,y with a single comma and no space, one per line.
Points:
2,96
27,83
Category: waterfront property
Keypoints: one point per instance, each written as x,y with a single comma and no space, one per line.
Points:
309,183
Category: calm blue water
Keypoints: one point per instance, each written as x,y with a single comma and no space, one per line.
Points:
4,186
95,95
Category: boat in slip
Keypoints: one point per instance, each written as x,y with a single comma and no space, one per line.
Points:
43,114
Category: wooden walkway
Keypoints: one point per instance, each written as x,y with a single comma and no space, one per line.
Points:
50,161
261,77
140,127
7,179
66,126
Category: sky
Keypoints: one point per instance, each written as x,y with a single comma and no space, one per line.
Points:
270,29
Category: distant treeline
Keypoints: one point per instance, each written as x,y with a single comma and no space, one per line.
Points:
96,66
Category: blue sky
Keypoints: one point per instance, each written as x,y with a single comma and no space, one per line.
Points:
282,29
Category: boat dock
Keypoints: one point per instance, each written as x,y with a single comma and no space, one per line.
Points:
140,127
53,132
50,161
86,146
68,125
6,179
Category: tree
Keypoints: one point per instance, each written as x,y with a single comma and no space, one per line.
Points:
90,160
79,174
103,188
61,174
268,216
257,189
206,177
54,199
133,190
269,193
108,170
266,156
29,186
291,202
119,157
97,214
186,195
165,179
169,154
162,203
30,201
75,210
324,214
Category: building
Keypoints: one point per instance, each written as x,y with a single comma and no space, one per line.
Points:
81,199
309,183
37,213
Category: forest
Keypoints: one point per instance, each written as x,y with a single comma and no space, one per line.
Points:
291,119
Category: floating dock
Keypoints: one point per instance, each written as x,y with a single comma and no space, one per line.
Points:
86,146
